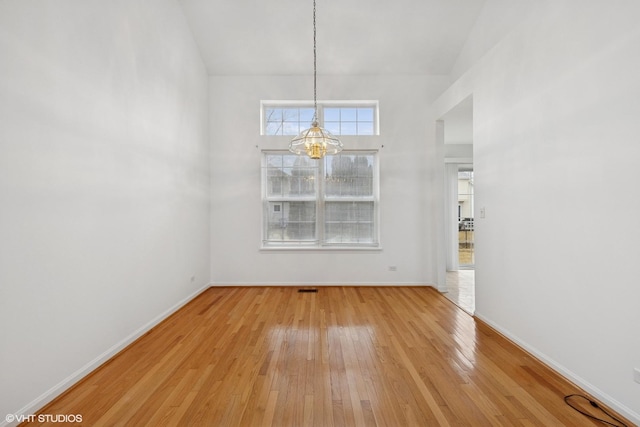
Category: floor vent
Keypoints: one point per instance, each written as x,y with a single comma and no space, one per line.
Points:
307,290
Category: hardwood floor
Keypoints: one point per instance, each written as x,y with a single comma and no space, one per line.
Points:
344,356
461,289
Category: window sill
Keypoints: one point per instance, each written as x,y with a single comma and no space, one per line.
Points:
320,248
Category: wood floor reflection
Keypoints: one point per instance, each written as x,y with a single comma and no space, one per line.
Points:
344,356
461,289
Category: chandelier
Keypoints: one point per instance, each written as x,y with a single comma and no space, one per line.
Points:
315,142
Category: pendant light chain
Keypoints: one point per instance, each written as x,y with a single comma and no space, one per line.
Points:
315,69
315,142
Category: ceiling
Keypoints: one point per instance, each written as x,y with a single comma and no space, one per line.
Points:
355,37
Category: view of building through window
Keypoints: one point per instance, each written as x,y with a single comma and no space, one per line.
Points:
331,202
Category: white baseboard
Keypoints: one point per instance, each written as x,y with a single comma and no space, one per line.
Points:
246,284
72,379
594,391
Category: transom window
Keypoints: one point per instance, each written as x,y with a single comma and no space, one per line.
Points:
286,120
349,118
328,203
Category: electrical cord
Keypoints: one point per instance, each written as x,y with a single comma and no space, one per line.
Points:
595,405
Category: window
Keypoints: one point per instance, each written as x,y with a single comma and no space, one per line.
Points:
286,120
327,203
346,118
349,120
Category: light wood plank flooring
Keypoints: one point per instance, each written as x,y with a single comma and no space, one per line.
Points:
344,356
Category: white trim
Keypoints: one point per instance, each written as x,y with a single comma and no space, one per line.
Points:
55,391
451,216
566,373
439,214
330,103
462,160
311,247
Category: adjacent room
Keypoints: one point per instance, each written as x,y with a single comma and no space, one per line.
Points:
459,250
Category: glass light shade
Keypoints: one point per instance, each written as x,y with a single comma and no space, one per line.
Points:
315,142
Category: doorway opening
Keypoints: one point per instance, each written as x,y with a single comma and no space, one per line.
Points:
456,137
466,241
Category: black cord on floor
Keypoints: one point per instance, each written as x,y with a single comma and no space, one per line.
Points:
595,405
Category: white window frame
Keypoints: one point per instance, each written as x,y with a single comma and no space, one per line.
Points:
264,105
320,199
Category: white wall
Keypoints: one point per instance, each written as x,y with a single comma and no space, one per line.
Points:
496,20
104,184
556,107
406,182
